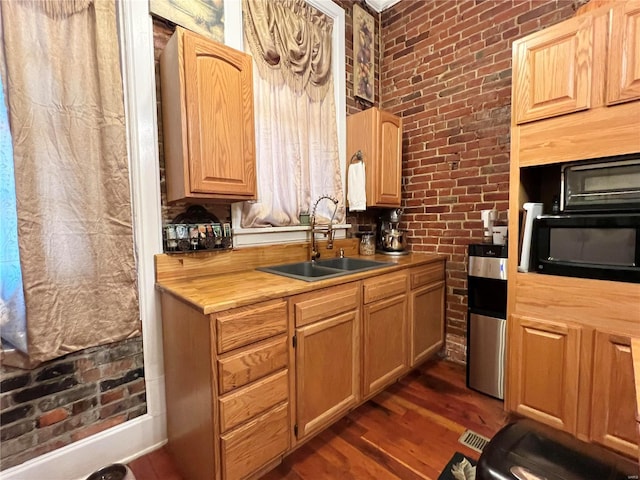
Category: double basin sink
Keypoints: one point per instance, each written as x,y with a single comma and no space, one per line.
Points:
323,269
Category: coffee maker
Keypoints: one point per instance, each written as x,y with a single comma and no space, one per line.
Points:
391,240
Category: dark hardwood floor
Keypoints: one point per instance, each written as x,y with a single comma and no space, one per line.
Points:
409,431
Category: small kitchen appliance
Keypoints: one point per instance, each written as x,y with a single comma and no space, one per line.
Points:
604,246
603,185
391,240
488,219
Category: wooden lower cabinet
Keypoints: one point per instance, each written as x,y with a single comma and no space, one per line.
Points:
247,385
577,379
385,346
227,394
544,373
327,356
385,331
252,446
426,313
327,371
613,406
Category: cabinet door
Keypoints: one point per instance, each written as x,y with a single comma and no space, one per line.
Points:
219,107
552,71
544,371
385,342
623,73
613,409
327,371
635,355
253,445
388,175
426,313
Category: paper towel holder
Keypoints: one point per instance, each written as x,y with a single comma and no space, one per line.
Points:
357,157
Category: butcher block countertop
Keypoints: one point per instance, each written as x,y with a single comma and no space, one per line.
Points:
220,281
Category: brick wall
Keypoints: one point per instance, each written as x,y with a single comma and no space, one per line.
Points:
446,69
68,399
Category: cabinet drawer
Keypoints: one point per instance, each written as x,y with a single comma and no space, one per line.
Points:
245,325
252,363
385,286
252,400
325,303
253,445
426,274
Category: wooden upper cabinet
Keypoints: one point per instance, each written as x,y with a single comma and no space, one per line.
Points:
208,122
389,173
378,135
623,72
552,71
613,410
544,374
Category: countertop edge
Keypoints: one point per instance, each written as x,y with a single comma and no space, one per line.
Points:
279,286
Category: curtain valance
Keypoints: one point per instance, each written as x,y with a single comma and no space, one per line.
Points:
290,42
59,8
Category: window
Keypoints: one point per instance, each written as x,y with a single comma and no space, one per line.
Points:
248,236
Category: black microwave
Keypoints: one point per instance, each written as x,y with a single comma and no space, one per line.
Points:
603,246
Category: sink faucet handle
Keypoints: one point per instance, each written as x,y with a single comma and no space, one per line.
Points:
341,253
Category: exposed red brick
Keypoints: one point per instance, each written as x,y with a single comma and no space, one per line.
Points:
461,73
97,427
112,395
51,417
136,387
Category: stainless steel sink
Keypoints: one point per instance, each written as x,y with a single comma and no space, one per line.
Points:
323,269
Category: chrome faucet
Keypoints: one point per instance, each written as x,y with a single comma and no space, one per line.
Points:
325,230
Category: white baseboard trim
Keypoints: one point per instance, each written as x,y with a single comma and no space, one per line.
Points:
119,444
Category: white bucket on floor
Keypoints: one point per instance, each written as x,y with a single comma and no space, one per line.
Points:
117,471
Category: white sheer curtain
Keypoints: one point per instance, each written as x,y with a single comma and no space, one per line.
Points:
296,131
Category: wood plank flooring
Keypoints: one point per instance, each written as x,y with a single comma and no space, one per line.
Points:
408,432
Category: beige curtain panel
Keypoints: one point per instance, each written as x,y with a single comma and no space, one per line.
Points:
64,90
296,129
291,42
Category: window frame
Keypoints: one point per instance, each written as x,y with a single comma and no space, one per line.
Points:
245,237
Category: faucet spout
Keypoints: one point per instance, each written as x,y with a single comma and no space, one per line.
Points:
326,230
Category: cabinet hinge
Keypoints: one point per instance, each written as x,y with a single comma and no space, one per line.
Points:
294,341
295,427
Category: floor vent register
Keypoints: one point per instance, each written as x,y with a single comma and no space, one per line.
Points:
473,440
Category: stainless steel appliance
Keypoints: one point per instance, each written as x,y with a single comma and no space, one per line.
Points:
604,246
392,240
611,184
486,318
